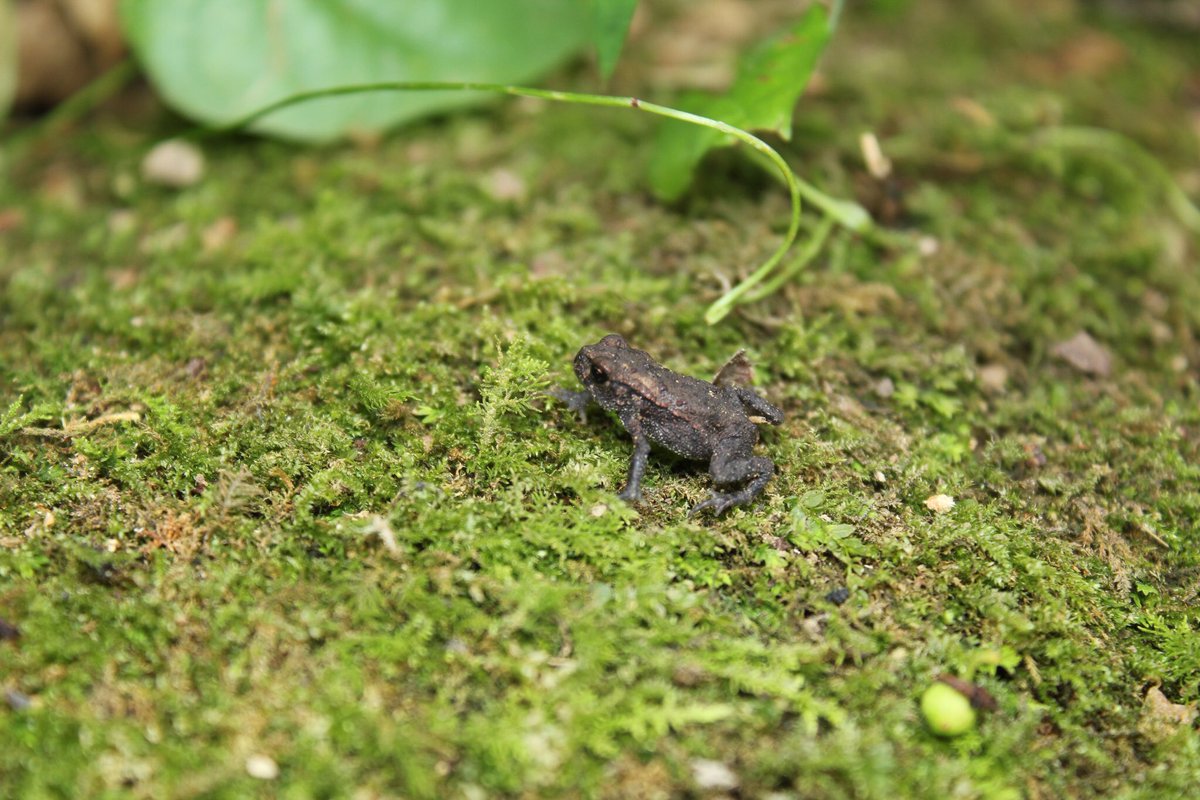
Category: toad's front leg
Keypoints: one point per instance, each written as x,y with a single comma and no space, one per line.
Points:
733,463
576,401
641,454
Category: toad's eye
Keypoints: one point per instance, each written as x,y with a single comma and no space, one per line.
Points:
598,375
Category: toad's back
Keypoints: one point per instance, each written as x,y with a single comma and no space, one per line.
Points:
685,415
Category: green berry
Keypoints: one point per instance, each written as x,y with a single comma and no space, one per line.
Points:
947,711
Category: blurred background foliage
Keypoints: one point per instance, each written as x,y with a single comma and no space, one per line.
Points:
215,60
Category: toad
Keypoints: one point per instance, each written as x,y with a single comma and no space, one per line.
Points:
700,421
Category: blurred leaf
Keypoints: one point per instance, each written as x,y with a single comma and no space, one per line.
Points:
8,56
769,82
612,19
216,60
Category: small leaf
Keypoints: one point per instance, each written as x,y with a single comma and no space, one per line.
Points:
738,371
611,18
217,60
840,530
770,81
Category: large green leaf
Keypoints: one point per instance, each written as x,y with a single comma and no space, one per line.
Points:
216,60
612,19
770,80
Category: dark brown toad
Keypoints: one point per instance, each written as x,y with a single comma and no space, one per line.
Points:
700,421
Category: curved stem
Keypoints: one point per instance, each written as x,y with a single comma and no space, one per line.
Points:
810,250
848,214
77,105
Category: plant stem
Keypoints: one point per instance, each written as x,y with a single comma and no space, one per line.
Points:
846,213
77,105
810,250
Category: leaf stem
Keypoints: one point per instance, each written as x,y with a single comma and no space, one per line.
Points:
846,213
810,250
76,106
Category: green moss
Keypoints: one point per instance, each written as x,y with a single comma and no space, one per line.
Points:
301,493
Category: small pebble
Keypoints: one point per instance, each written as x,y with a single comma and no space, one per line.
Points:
174,163
17,701
1161,719
1034,457
196,367
713,775
838,596
122,221
1085,354
993,378
219,234
504,184
262,767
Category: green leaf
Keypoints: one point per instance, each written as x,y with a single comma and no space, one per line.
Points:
770,80
612,19
217,60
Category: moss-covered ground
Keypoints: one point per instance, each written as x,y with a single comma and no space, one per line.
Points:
218,405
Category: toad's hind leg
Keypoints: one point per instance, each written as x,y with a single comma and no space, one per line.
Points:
756,405
733,464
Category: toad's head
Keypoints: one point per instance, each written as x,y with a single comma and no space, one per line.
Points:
607,366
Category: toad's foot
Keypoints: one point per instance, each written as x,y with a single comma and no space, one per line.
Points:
720,502
729,468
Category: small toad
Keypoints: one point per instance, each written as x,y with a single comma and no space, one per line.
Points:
715,422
